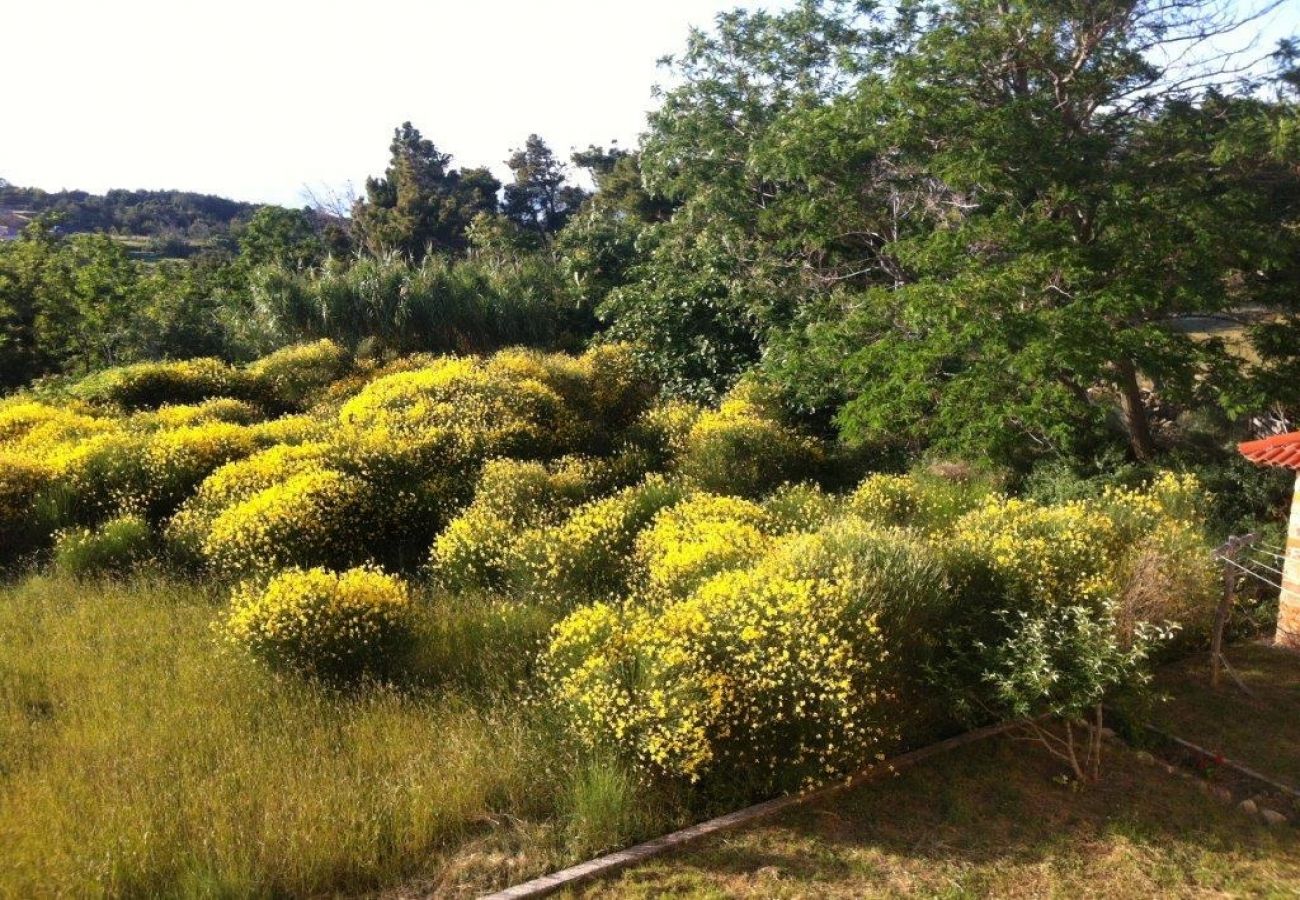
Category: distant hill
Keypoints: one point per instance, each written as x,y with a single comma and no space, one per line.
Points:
165,215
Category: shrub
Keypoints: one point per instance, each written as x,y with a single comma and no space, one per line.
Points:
234,483
617,389
219,409
95,478
336,626
800,507
1044,554
1061,661
175,462
921,501
1168,501
665,429
767,676
116,546
295,377
22,479
702,535
741,449
29,424
476,549
316,517
455,412
589,553
151,384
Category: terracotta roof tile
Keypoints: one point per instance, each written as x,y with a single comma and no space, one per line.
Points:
1280,450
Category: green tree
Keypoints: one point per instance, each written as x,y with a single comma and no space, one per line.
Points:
976,223
712,279
279,236
540,197
421,204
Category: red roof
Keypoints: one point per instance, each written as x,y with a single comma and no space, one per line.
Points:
1281,450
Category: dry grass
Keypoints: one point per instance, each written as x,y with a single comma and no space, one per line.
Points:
138,757
990,821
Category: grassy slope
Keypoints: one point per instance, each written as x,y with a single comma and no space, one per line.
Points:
139,757
990,821
1232,722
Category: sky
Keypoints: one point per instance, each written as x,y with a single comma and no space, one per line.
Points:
257,99
253,99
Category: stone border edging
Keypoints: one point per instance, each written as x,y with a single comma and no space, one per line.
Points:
1221,760
621,859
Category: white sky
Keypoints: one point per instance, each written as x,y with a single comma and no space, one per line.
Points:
252,99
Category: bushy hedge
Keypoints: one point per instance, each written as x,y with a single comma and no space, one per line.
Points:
152,384
329,625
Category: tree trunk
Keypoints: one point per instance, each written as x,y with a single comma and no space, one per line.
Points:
1135,411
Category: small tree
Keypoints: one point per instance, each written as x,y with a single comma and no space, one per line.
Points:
1060,663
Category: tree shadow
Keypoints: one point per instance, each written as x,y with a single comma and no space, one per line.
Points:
992,807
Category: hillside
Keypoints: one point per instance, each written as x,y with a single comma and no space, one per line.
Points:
166,215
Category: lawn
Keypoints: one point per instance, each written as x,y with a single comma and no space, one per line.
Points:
1229,721
141,757
991,820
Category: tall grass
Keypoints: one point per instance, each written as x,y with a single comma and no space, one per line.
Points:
138,757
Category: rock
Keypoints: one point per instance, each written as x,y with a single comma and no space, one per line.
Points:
1272,817
1222,793
1248,807
1145,758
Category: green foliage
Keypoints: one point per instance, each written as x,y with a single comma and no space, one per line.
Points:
336,626
117,546
279,236
421,204
150,385
742,448
539,199
588,554
295,376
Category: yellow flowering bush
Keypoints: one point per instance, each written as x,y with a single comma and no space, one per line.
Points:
316,517
96,478
768,676
336,626
43,424
22,479
615,387
177,461
1043,553
800,507
702,535
666,427
234,483
115,546
36,429
453,413
741,449
151,384
589,554
476,548
296,376
919,501
1169,501
181,415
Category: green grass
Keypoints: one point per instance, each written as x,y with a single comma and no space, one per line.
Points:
1260,729
139,756
990,821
